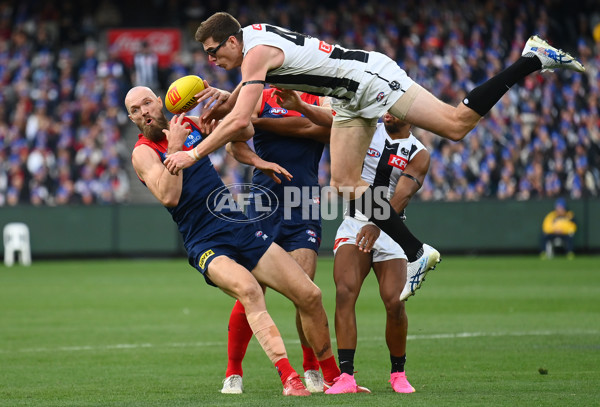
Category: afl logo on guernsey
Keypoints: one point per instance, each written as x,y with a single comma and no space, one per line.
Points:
280,111
371,152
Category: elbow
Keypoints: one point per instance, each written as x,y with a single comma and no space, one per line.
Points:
240,124
243,130
454,135
170,201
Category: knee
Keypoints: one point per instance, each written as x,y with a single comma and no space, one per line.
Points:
249,295
345,295
394,308
311,298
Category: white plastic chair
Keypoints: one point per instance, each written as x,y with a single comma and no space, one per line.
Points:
16,239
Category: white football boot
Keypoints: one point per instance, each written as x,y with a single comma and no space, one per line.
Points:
551,57
313,379
233,385
417,270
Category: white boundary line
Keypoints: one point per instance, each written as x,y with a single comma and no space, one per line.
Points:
458,335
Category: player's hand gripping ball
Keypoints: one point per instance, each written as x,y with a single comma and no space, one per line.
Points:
180,96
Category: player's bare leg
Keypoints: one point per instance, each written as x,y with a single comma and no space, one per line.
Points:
348,147
430,113
351,266
279,271
238,282
391,276
307,259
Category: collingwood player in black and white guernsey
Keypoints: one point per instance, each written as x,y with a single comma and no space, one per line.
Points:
398,162
363,86
392,148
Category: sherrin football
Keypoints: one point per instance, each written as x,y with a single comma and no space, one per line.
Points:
180,96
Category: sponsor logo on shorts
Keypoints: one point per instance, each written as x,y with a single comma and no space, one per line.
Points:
339,241
260,233
394,85
311,232
204,257
371,152
380,96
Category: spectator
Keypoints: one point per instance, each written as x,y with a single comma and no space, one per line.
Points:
558,229
145,64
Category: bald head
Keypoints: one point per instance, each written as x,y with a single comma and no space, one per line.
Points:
146,111
136,94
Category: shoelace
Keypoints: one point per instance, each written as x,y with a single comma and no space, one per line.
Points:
296,383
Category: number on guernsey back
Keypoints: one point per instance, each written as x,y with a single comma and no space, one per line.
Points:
292,36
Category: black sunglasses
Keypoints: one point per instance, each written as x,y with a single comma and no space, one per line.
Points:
213,51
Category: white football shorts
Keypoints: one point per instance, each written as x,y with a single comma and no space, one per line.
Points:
384,83
384,249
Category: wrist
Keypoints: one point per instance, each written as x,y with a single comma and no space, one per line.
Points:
193,154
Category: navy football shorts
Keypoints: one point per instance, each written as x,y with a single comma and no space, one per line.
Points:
245,243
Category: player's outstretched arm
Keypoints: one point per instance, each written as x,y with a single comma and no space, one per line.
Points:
216,102
244,154
236,125
290,99
299,127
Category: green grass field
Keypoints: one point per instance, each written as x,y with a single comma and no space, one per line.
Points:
152,333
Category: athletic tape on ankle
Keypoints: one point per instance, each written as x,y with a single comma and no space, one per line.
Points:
267,335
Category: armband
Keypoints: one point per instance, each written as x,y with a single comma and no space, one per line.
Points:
193,154
255,82
412,178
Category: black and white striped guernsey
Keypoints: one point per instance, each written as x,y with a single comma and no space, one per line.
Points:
310,65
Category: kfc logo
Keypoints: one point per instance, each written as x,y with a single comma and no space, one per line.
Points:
397,161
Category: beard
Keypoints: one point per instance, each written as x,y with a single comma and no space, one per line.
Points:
392,127
154,131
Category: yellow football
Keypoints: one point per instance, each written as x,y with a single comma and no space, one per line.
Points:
180,96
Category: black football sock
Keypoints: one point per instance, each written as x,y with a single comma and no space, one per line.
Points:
398,363
346,360
393,226
485,96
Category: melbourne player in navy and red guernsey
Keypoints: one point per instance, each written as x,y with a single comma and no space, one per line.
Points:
283,138
193,213
233,255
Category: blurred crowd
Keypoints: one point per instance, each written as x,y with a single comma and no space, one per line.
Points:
63,124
